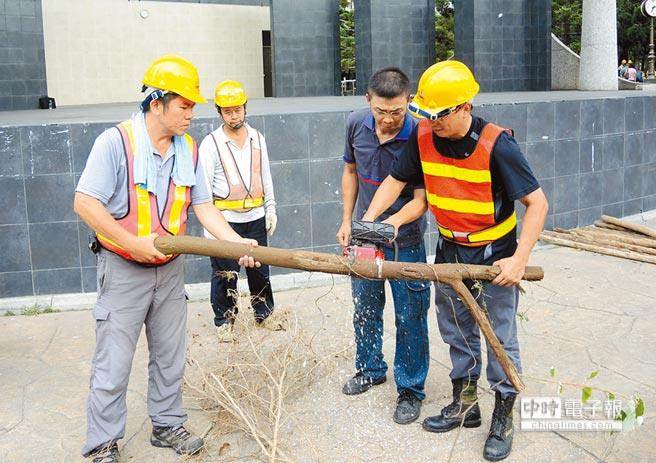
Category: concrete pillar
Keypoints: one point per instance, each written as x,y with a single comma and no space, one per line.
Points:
305,42
598,68
506,43
397,33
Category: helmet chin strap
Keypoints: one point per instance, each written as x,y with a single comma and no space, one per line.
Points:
238,125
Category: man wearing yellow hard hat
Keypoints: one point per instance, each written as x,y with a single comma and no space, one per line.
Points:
236,164
473,171
139,181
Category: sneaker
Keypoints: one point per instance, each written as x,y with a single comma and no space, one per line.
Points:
408,407
107,453
224,333
271,323
177,438
360,383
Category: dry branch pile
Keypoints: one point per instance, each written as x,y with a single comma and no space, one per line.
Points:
609,236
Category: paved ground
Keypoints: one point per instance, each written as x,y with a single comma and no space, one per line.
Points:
590,313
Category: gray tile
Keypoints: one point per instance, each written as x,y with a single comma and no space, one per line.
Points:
46,149
326,219
293,229
486,112
325,180
649,203
567,220
591,155
649,180
634,114
59,281
257,122
54,245
649,152
514,116
649,108
541,158
613,152
540,121
12,201
590,189
633,148
632,207
632,182
15,252
11,162
588,216
194,228
50,198
197,269
566,194
89,280
287,136
614,115
548,186
548,224
327,133
614,210
291,182
566,157
612,190
87,258
15,284
199,129
82,138
567,115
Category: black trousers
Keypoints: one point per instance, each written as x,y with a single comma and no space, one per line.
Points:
223,294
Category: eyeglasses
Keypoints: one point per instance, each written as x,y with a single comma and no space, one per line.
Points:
396,113
434,116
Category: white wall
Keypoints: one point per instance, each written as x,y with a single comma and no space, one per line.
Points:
98,50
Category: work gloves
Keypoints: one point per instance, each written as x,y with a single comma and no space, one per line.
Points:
271,220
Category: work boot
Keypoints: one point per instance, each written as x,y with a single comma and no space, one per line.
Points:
177,438
408,407
224,333
360,383
499,440
106,453
463,411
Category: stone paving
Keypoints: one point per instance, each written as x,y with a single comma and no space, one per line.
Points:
591,312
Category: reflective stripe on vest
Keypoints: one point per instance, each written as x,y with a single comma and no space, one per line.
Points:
459,191
142,217
240,197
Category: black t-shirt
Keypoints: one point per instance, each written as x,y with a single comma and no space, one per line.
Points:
512,179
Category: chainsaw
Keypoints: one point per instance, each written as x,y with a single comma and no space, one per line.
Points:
367,239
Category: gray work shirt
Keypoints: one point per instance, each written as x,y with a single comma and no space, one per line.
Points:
105,177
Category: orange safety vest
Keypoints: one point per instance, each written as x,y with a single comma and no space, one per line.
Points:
240,197
142,217
459,191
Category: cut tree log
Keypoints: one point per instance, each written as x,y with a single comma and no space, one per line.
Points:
606,241
617,235
642,229
451,274
563,241
610,226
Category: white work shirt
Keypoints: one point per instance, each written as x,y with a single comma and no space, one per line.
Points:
216,179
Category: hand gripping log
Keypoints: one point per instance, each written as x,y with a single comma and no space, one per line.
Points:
451,274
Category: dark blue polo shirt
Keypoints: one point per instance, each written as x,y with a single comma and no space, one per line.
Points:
373,163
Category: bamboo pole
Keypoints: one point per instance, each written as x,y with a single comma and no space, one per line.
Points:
451,274
578,236
642,229
561,241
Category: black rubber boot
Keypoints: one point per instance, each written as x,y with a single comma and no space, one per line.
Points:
463,411
499,440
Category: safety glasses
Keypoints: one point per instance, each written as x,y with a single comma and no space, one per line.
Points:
433,116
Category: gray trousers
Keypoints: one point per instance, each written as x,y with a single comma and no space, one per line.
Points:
461,333
130,296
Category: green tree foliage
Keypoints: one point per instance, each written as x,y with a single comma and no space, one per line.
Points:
347,38
444,27
632,28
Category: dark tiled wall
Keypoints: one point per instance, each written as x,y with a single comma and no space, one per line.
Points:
305,39
591,157
394,33
507,43
22,59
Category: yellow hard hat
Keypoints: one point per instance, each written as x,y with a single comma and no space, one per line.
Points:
174,74
229,93
443,86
